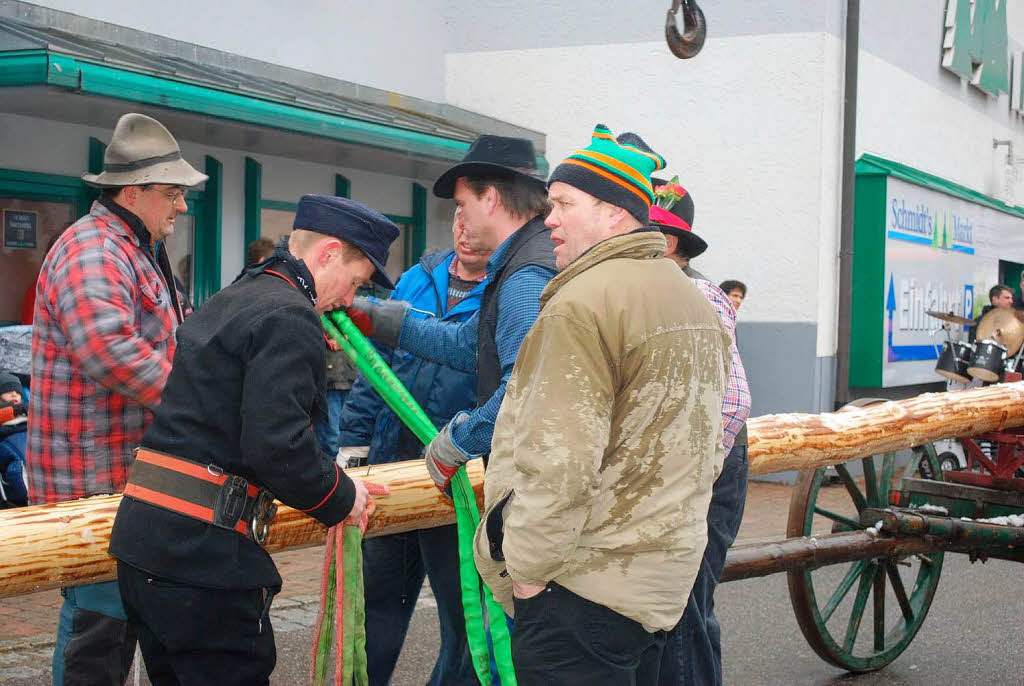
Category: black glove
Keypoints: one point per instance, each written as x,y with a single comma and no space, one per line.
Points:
21,410
379,319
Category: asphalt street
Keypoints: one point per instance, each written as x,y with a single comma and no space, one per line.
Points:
971,636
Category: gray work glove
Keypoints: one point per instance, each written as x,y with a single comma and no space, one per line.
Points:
444,458
379,319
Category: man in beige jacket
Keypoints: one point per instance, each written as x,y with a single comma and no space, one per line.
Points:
609,438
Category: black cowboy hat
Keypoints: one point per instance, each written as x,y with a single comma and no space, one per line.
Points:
490,155
692,244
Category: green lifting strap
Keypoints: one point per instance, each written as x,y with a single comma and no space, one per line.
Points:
348,336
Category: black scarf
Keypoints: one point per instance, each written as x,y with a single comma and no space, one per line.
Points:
282,258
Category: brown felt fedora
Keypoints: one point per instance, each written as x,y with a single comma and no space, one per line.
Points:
143,151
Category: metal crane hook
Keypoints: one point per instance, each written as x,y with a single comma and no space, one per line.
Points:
689,43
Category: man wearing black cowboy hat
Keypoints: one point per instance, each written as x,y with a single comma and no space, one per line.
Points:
234,431
502,203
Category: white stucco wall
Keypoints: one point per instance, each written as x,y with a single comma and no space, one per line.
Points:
750,126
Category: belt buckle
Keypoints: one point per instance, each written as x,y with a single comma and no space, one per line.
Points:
263,511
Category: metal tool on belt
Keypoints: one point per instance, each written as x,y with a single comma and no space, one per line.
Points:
201,491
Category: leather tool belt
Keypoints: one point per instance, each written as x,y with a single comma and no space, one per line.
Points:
203,492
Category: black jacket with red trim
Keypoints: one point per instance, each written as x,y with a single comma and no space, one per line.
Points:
247,379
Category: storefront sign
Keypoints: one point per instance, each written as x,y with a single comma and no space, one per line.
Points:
975,45
20,229
941,253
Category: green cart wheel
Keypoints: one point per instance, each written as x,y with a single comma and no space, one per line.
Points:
830,602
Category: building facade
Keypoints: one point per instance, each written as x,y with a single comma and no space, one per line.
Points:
754,126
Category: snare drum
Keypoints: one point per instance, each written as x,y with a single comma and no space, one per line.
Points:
988,361
954,360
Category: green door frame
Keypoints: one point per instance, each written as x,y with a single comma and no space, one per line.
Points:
415,241
49,187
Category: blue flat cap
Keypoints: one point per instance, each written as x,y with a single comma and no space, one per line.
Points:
352,222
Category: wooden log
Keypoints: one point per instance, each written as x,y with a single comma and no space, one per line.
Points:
65,544
781,442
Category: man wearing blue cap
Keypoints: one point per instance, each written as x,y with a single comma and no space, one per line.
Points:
234,431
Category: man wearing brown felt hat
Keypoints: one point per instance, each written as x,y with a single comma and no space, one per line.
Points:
105,317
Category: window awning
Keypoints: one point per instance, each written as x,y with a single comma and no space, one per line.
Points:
241,90
873,165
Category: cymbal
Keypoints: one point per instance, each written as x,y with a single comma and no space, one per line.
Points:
951,318
1004,327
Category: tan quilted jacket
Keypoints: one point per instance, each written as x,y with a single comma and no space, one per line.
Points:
610,436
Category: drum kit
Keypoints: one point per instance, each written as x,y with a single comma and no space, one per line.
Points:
996,351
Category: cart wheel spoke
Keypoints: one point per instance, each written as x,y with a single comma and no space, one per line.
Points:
878,596
885,483
844,587
836,517
870,480
851,487
859,605
899,591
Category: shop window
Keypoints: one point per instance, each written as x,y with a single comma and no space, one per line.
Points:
28,227
275,223
181,252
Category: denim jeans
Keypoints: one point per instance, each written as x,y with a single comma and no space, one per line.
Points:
693,651
328,431
94,645
393,570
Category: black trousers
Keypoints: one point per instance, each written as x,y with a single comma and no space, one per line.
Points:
198,636
561,638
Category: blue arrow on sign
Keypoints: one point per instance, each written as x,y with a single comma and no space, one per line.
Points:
904,353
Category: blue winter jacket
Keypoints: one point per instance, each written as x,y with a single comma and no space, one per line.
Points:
441,391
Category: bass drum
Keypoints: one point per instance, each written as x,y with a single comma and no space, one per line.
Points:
988,361
953,361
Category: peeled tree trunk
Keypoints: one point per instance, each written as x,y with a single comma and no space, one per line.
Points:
66,544
781,442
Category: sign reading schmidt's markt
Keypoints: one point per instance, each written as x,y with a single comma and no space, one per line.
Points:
975,47
941,253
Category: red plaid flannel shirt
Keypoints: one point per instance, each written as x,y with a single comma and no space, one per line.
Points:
102,344
736,403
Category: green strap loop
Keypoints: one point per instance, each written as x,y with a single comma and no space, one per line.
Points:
475,595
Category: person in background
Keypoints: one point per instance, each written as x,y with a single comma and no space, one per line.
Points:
448,285
184,285
103,337
259,250
736,290
693,649
1000,296
341,374
13,409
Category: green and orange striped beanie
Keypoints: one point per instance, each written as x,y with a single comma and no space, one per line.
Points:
618,173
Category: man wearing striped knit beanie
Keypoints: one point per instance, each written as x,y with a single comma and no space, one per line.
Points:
610,435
